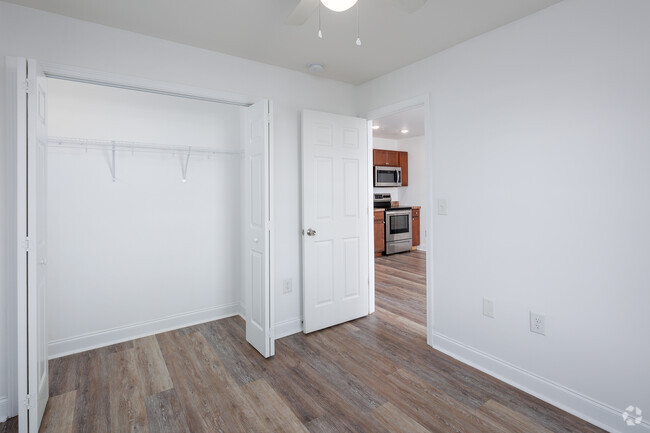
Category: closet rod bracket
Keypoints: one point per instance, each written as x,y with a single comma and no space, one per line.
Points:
186,163
113,160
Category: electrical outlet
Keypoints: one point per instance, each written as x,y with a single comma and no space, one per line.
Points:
442,206
286,286
488,308
537,323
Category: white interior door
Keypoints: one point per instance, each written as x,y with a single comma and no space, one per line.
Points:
335,219
257,227
32,256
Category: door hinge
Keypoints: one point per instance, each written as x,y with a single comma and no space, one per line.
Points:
27,243
28,402
269,118
27,88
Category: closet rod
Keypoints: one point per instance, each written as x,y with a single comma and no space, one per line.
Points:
133,146
146,90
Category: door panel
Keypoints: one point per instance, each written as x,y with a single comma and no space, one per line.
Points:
33,388
335,219
257,230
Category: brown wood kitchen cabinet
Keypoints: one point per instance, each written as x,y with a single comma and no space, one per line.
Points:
403,158
386,158
380,234
415,214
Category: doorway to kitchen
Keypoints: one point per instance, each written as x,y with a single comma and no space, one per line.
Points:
400,162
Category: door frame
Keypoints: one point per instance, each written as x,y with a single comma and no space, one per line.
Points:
422,100
127,82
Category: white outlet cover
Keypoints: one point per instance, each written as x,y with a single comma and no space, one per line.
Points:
488,308
537,323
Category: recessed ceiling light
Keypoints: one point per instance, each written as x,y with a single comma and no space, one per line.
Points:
316,68
404,131
375,127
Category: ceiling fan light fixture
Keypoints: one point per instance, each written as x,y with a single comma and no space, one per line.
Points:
338,5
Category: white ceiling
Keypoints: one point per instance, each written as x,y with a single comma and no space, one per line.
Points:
255,29
391,126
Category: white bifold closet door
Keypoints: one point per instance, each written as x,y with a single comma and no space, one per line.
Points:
335,219
257,227
33,386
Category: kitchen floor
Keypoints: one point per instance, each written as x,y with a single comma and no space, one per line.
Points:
400,287
374,374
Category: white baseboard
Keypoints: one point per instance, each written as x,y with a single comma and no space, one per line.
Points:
93,340
580,405
4,408
288,327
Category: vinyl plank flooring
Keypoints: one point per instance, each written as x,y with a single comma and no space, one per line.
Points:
165,413
151,366
63,375
271,409
510,420
127,407
374,374
59,413
92,403
329,424
397,421
9,426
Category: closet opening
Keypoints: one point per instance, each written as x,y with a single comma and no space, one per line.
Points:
143,212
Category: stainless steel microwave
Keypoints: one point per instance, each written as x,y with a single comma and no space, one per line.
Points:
388,176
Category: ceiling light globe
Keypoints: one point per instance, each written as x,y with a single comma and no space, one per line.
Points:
338,5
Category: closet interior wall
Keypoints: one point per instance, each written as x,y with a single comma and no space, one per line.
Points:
148,251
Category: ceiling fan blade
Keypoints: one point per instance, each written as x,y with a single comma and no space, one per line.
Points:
302,12
408,6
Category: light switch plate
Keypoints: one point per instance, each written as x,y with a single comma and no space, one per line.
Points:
286,286
488,308
442,206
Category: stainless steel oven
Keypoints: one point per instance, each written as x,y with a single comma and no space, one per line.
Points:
399,234
388,176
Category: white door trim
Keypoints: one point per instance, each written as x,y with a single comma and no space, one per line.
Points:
429,223
22,359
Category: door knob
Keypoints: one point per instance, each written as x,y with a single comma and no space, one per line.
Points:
311,232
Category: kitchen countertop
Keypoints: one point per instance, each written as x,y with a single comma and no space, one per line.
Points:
401,207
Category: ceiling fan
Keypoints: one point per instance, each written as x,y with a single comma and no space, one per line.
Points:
305,8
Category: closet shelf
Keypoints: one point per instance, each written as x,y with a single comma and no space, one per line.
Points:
133,146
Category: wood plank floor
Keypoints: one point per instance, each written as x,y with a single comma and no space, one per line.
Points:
375,374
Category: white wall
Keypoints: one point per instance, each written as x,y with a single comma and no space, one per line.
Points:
540,136
148,251
52,38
